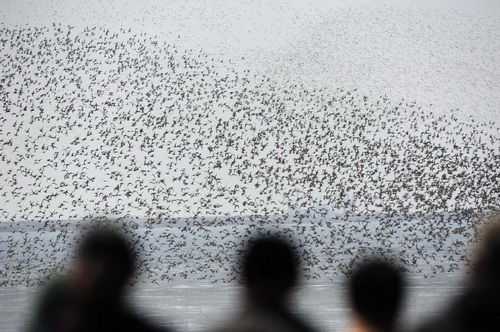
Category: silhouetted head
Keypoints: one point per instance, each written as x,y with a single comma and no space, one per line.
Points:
269,269
103,265
375,291
479,308
488,262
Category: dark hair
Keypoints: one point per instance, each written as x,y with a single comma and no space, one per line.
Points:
488,266
376,290
270,264
112,249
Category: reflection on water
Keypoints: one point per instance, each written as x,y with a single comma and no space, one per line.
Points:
197,306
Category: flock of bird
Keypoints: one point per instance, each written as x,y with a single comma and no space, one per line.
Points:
193,156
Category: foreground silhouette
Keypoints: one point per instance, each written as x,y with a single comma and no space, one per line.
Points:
92,297
375,292
478,309
269,275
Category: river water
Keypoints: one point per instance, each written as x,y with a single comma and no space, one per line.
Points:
200,306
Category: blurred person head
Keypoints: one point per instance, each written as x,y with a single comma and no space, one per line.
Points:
487,269
270,273
376,291
270,270
478,308
103,266
92,298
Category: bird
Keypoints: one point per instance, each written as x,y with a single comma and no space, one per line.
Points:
190,153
